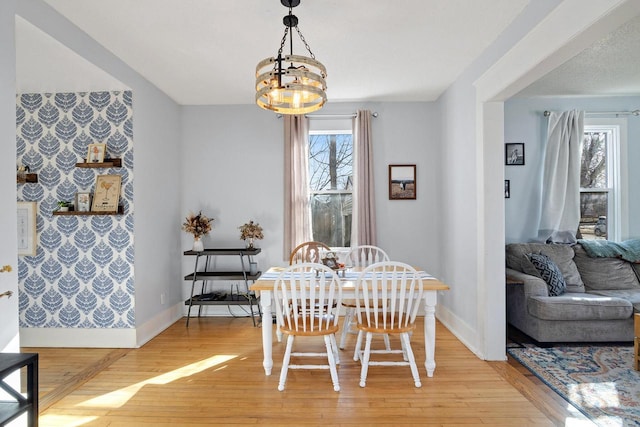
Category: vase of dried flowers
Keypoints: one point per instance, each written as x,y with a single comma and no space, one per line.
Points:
249,232
198,246
199,225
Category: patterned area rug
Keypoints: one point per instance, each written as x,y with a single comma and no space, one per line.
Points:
598,380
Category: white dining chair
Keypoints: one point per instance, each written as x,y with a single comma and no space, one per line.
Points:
360,256
305,296
388,296
310,251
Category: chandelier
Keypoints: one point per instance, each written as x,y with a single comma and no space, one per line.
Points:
291,84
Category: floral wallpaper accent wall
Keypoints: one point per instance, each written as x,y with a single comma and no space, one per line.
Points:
82,274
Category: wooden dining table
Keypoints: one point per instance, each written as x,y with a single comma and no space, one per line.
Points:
265,284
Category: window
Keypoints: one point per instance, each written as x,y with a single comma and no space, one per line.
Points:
601,180
331,186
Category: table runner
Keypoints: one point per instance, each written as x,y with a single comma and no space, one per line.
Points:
346,275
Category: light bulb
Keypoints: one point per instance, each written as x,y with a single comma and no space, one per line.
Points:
296,101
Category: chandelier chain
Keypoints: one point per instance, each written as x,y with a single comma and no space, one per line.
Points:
283,41
305,42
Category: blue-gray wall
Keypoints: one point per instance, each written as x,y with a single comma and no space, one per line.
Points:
232,167
525,122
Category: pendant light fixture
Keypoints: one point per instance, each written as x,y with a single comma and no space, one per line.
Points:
291,84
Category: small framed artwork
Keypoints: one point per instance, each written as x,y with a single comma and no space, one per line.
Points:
83,202
27,228
402,182
507,188
96,153
107,193
514,153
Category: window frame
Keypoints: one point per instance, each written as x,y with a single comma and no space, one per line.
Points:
313,193
617,175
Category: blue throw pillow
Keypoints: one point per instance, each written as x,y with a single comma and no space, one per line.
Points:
550,273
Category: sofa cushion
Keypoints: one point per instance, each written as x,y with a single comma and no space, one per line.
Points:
631,295
561,254
580,306
604,273
550,273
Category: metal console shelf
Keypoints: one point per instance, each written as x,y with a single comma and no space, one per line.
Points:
208,274
10,410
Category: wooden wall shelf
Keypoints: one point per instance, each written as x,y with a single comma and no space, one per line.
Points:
71,213
108,163
28,177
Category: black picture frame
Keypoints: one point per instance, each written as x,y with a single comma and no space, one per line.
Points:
402,182
514,154
507,189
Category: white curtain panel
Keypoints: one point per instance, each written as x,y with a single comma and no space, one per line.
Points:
363,229
560,215
297,214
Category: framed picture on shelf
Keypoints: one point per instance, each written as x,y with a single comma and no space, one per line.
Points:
107,193
96,153
514,153
83,202
27,228
402,182
507,189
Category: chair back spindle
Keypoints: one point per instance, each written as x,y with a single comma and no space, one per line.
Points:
308,252
364,255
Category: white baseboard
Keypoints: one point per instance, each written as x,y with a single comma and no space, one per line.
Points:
100,338
160,322
78,337
459,329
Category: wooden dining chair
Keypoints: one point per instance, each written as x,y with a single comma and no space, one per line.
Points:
388,296
308,252
305,295
360,256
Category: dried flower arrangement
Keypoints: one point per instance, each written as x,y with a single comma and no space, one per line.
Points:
198,225
251,230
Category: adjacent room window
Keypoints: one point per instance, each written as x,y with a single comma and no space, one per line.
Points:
331,186
601,180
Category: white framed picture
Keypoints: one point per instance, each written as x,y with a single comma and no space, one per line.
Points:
96,153
83,202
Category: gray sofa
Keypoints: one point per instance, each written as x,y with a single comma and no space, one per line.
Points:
601,295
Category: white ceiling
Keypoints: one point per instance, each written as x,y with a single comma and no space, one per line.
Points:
610,67
203,52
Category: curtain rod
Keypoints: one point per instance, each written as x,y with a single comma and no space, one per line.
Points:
333,116
592,113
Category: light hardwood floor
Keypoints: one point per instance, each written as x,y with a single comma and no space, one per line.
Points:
211,374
